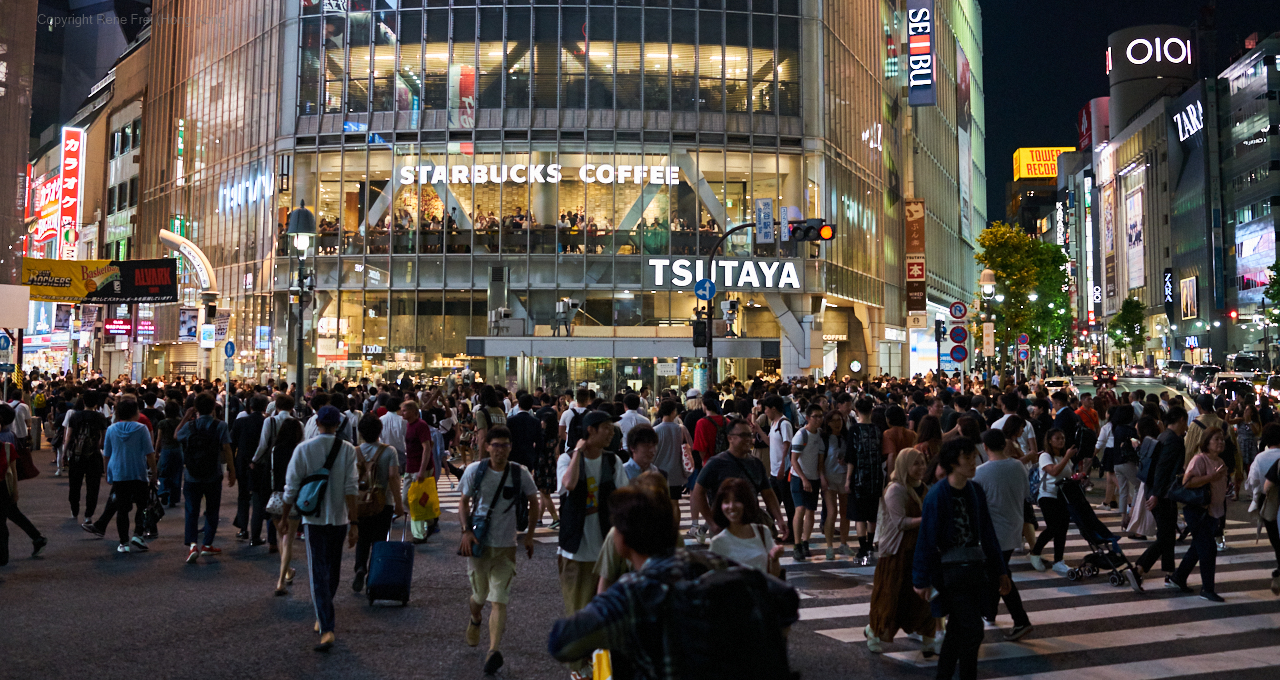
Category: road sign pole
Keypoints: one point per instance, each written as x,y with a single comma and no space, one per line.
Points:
711,326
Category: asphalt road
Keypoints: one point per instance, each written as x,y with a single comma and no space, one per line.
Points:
81,608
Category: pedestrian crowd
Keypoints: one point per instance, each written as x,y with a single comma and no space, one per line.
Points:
939,482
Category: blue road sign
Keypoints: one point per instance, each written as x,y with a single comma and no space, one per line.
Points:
959,335
1023,339
704,289
5,342
229,349
1023,354
959,353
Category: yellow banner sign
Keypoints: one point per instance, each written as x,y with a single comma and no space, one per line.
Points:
101,281
1037,162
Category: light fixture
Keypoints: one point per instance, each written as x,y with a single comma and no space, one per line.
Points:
999,298
1032,296
988,282
1217,323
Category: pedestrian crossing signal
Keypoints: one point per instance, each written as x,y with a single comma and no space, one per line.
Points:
700,333
812,230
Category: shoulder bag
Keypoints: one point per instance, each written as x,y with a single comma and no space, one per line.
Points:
480,523
1199,496
315,486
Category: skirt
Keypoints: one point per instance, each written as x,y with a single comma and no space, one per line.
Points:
894,603
544,473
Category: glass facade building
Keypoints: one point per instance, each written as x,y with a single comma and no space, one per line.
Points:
471,156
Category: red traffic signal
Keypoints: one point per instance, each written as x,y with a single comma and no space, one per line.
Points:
813,229
1233,314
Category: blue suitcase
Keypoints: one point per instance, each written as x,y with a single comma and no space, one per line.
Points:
390,571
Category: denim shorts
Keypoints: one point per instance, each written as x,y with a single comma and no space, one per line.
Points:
802,498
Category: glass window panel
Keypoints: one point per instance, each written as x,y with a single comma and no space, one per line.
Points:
462,70
335,61
490,84
405,208
600,59
379,214
546,30
657,60
788,66
628,59
385,88
710,61
518,57
683,61
359,32
353,201
737,61
410,74
309,68
573,59
435,78
329,204
763,67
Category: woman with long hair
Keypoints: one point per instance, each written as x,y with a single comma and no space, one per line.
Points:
744,537
287,439
1055,466
1207,468
836,493
929,443
894,604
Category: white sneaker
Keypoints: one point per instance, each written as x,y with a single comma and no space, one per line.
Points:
1221,543
122,548
873,642
1061,568
1037,563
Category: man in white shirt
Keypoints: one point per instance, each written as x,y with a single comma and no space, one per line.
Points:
780,434
332,521
631,417
318,401
393,429
583,397
1009,404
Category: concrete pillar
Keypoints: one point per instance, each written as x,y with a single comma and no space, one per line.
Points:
542,195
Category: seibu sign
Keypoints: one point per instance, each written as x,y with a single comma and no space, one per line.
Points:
921,90
538,174
752,274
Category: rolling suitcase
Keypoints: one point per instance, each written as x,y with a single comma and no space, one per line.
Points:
391,570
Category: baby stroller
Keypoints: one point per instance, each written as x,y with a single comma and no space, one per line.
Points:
1105,554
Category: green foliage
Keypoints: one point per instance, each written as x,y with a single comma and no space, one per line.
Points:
1024,265
1126,326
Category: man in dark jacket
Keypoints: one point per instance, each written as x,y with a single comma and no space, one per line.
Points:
1166,463
245,433
1064,418
526,433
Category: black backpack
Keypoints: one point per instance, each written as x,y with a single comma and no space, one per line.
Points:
1123,435
575,430
722,434
201,450
84,445
725,624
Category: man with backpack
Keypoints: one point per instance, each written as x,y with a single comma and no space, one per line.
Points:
679,614
571,420
85,431
246,432
865,476
206,447
496,497
323,483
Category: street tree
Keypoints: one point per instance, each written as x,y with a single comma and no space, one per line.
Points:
1126,326
1023,265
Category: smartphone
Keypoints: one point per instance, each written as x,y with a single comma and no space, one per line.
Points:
933,593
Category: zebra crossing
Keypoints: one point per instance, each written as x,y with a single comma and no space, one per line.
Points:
1084,630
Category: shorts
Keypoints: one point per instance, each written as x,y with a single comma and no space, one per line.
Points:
863,508
1029,515
1109,459
490,574
802,498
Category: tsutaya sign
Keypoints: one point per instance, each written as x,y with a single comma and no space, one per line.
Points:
539,174
752,274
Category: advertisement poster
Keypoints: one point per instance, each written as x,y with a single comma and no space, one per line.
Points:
1135,254
462,96
62,317
188,323
72,172
101,281
262,340
1187,291
1109,238
963,120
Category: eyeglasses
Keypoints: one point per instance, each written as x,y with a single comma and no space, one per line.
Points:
499,445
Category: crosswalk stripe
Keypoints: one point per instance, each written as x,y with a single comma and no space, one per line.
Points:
1047,617
1108,640
1217,663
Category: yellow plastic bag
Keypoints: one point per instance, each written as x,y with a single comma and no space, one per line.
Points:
601,665
424,500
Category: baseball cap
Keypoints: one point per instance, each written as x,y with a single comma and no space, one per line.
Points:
328,416
693,393
594,418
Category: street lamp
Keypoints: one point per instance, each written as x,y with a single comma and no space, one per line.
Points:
302,227
988,282
999,298
1032,296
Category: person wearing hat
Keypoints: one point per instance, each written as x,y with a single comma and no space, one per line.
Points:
588,476
335,519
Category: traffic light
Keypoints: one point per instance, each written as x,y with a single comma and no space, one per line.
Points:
1235,316
939,330
699,333
813,229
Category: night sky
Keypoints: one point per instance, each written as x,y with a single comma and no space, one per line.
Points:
1045,59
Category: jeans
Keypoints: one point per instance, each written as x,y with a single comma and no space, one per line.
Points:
88,474
1056,521
324,564
170,489
125,495
1013,601
965,630
9,512
261,493
211,494
1166,515
1202,550
373,529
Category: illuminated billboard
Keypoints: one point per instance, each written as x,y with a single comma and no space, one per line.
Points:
46,195
73,141
1037,162
921,54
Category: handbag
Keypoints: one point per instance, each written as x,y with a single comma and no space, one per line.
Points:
275,504
772,566
480,524
1198,496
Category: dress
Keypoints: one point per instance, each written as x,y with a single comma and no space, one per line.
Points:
1247,443
894,603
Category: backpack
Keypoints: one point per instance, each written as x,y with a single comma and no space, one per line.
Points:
575,430
722,434
1146,453
201,450
38,400
371,496
1125,453
315,487
520,502
724,623
84,445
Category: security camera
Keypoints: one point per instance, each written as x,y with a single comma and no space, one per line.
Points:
729,306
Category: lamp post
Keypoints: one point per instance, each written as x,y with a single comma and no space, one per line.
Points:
302,228
712,378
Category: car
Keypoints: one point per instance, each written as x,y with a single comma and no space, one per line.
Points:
1234,389
1202,379
1169,375
1102,376
1138,372
1184,375
1060,383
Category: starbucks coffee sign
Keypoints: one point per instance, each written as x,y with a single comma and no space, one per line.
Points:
539,174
